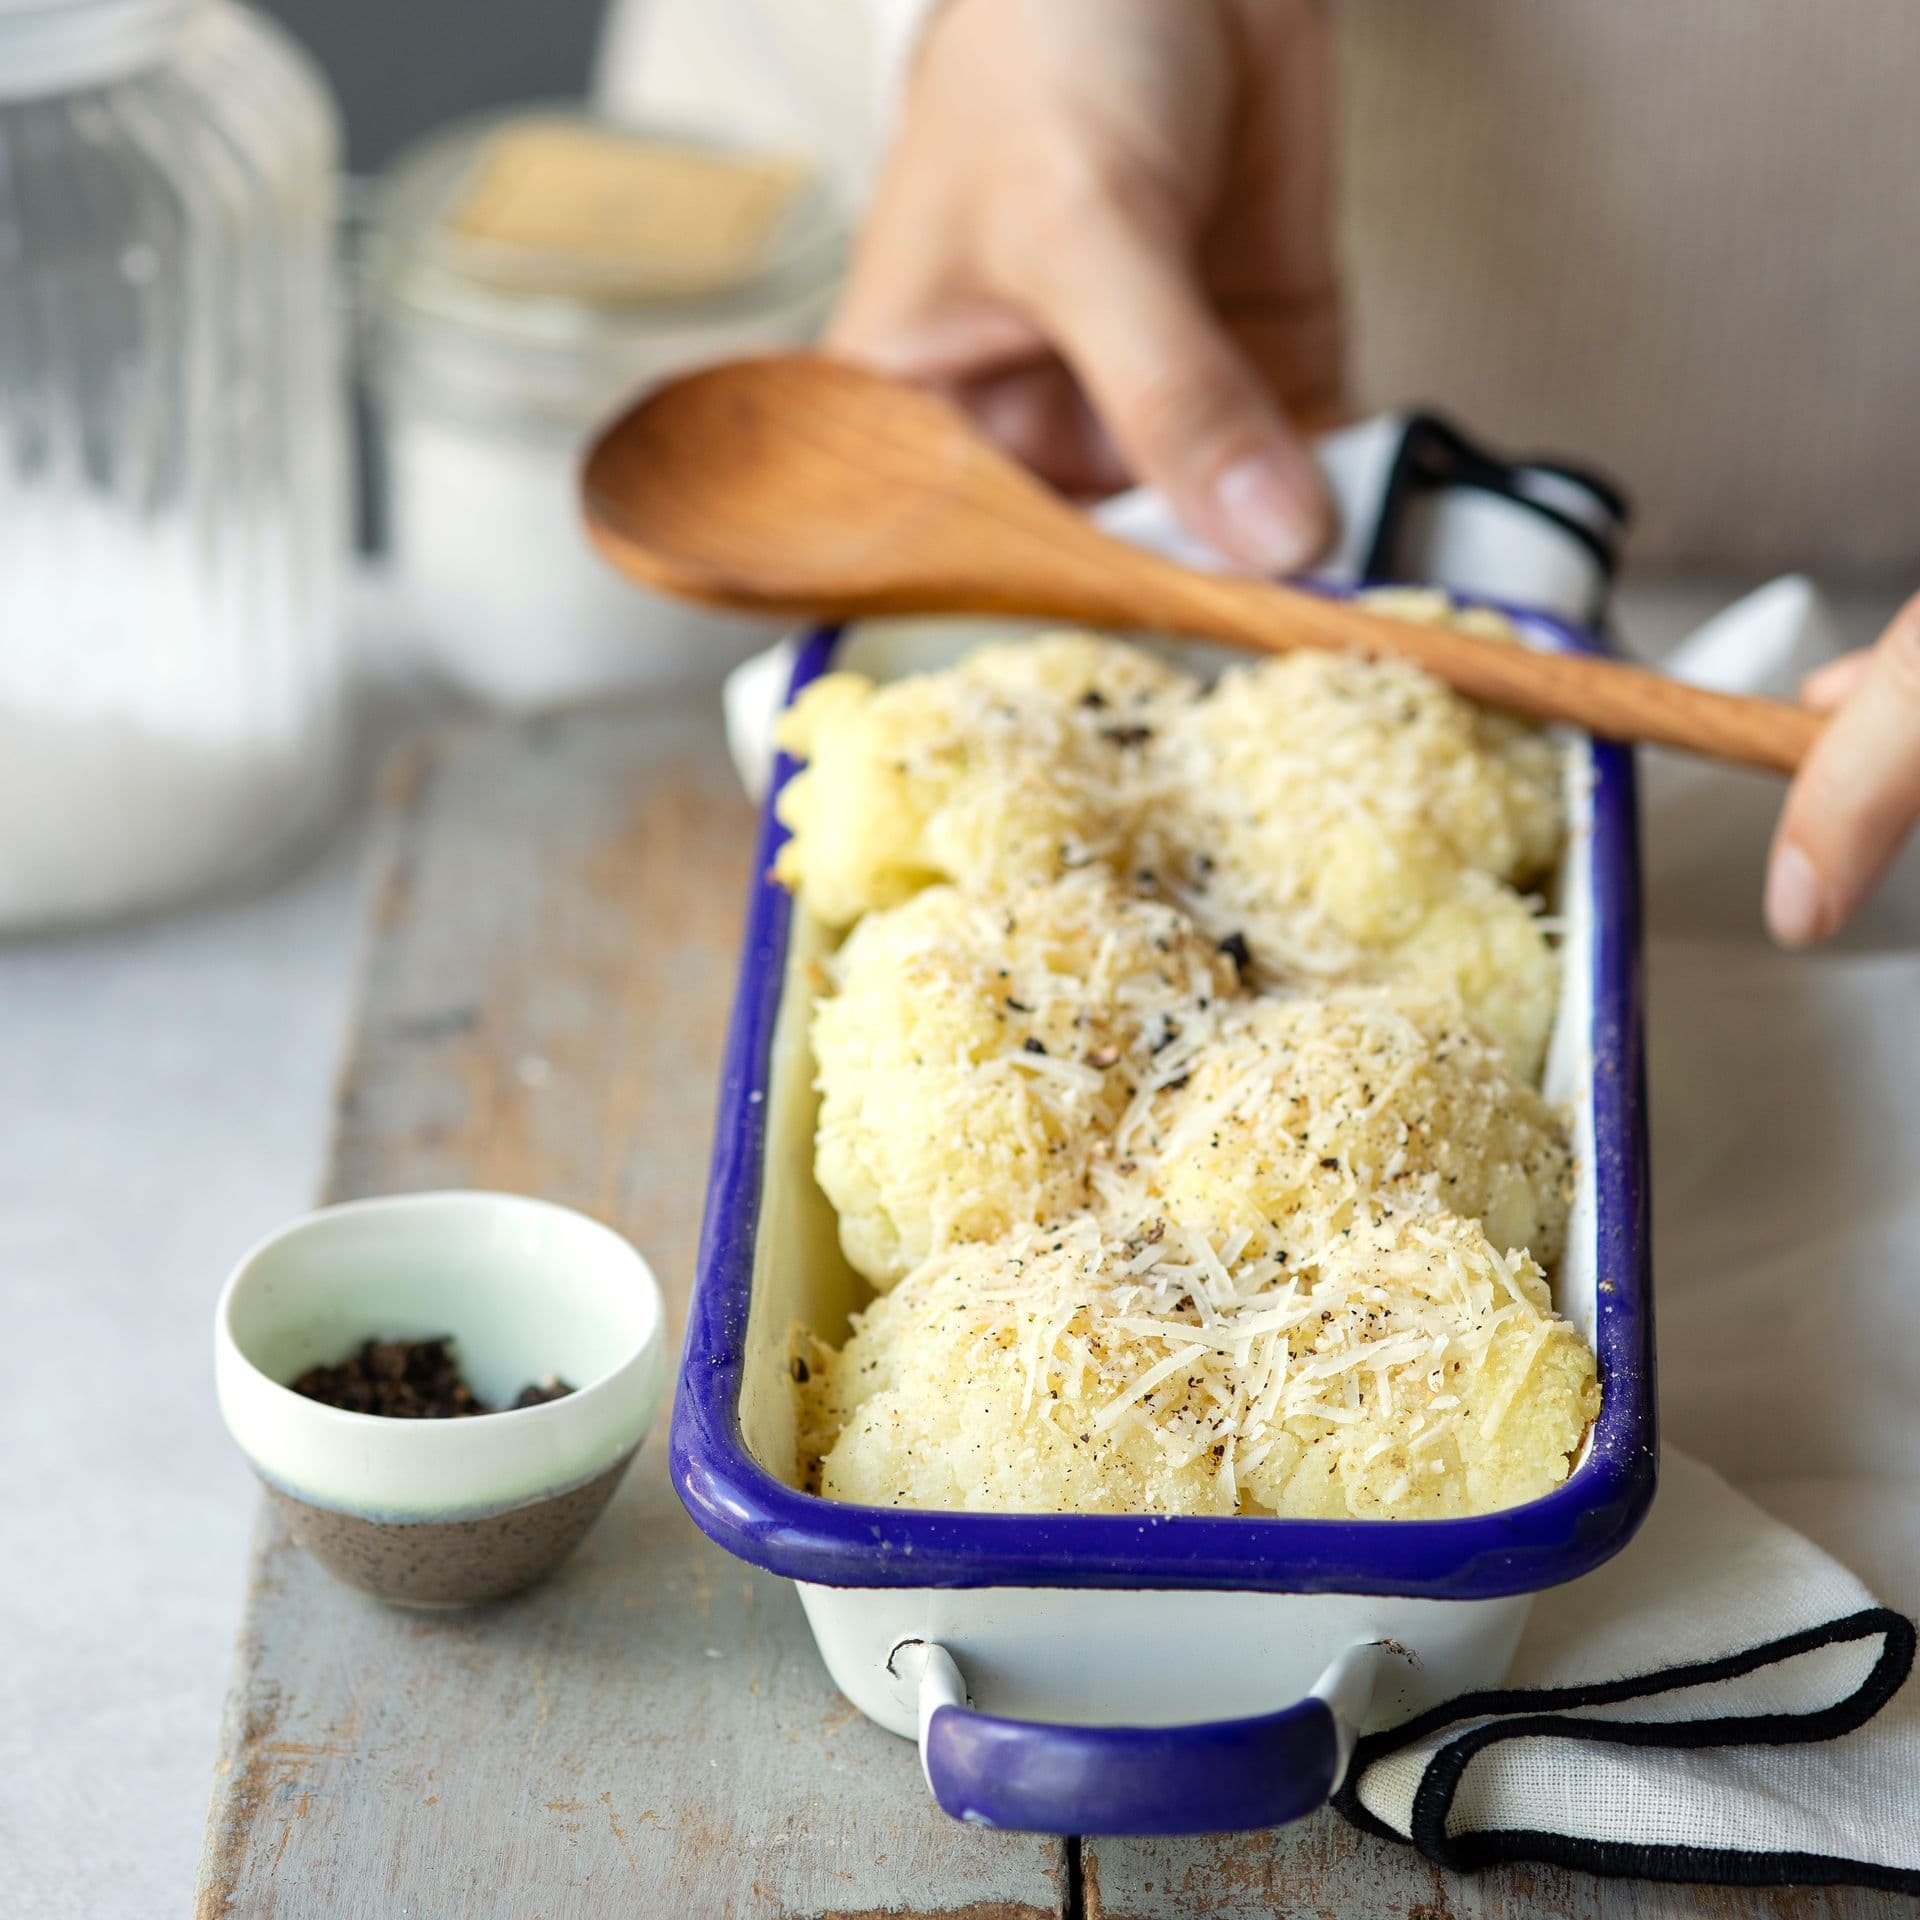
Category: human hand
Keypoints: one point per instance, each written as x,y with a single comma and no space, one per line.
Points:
1105,228
1857,798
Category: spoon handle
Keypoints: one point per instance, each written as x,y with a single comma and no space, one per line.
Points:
1604,697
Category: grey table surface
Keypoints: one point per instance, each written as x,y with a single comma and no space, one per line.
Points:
164,1099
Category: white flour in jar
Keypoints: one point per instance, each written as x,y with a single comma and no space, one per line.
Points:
529,276
153,743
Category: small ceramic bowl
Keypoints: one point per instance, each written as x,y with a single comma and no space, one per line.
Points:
433,1513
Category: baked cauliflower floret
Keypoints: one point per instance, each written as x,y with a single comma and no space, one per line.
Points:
980,1382
1024,761
1356,820
1384,742
1339,812
1484,945
1490,1417
1411,1370
1307,1112
980,1050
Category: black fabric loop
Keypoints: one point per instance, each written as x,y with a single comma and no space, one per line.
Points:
1434,455
1529,1713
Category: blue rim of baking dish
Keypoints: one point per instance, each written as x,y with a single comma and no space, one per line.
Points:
739,1504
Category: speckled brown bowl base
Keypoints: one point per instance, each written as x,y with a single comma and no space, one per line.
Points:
450,1563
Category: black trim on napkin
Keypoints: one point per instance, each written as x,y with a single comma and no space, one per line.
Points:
1521,1713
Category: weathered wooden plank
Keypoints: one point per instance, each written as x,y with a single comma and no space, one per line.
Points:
1326,1869
650,1733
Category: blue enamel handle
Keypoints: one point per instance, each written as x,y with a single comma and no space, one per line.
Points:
1214,1777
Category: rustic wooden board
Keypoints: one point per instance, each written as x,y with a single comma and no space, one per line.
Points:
651,1733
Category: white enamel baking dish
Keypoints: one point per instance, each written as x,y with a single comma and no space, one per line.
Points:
1107,1674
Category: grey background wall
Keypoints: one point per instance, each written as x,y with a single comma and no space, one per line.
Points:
401,66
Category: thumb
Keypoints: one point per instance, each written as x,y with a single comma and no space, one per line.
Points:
1122,304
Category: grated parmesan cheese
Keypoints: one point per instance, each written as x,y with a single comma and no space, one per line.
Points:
1410,1368
1348,819
1024,762
979,1052
1178,1077
1306,1111
1340,813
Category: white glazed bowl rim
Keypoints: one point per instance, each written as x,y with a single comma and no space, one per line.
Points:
406,1470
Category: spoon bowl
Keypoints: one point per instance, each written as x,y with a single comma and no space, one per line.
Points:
802,485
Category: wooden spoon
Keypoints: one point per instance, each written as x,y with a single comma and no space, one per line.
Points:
803,486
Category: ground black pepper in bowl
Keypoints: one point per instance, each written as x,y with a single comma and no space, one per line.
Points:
411,1380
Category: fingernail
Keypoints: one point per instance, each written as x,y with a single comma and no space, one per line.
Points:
1796,903
1273,516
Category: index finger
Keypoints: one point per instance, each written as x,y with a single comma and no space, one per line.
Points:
1856,798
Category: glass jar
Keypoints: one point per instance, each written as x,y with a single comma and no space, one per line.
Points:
529,273
172,430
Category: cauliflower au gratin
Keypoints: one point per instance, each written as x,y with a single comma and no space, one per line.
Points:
1407,1369
1178,1088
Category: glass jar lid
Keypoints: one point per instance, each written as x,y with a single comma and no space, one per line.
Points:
555,231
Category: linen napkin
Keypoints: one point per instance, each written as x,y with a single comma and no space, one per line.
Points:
1728,1699
1675,1715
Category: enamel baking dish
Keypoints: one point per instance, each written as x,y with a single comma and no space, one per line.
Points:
1111,1674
